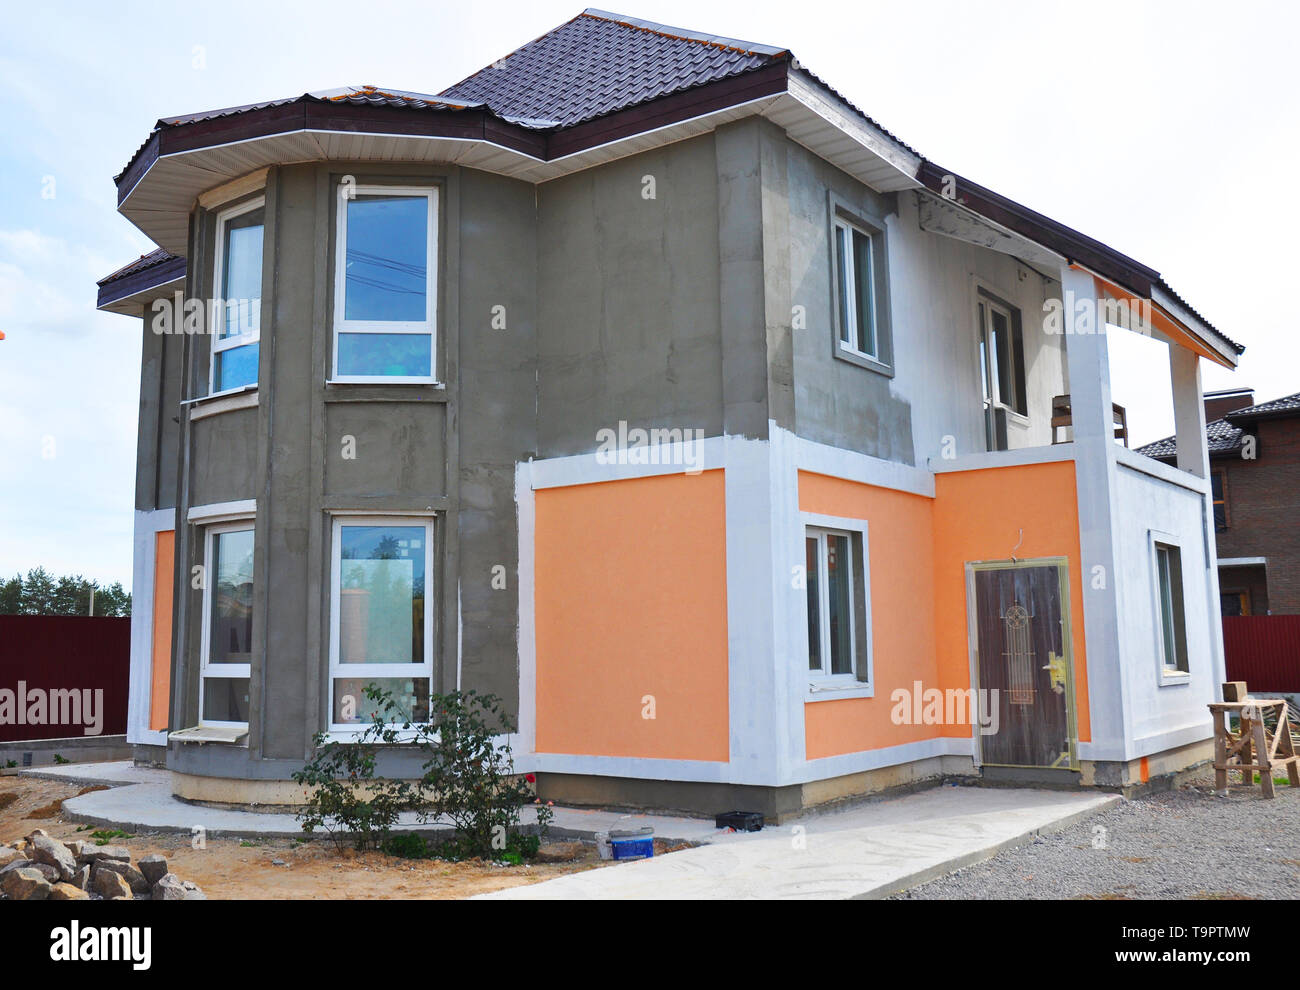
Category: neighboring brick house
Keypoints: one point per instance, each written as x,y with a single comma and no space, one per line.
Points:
1255,466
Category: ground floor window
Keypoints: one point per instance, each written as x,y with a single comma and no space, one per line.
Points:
381,609
228,624
832,603
1173,628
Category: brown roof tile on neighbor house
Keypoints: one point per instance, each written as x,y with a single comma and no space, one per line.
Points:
1224,436
1220,435
1288,405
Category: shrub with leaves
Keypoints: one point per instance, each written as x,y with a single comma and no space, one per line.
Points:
345,798
468,779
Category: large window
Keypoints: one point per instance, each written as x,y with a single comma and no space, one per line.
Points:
237,309
385,289
1173,626
228,625
382,617
855,285
832,604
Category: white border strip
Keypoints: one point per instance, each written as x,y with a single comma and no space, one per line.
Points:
222,511
148,524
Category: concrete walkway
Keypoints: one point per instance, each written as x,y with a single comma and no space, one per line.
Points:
872,850
139,799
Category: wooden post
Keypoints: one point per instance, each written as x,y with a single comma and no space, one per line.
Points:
1266,767
1220,752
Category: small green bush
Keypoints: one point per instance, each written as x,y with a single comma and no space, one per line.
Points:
467,779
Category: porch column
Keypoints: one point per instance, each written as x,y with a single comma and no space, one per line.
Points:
1194,457
1189,411
1092,418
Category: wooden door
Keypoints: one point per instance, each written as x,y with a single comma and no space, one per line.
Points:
1023,664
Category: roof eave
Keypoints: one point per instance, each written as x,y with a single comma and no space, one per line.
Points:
1077,248
129,294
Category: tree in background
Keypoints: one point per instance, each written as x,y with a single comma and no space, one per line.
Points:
41,594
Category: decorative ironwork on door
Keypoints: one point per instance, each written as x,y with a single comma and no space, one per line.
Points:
1019,655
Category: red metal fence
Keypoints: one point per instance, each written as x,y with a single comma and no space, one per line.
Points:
1263,651
63,675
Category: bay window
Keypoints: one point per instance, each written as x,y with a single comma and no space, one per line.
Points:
227,651
235,321
384,285
381,613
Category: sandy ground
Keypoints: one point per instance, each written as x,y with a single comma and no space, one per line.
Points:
245,870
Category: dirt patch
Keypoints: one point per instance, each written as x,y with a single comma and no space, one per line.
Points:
275,868
51,810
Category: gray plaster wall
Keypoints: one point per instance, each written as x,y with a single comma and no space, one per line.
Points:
448,449
158,429
629,303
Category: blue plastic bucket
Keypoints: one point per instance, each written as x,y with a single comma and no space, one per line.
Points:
641,847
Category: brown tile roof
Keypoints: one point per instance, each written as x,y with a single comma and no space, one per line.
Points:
600,62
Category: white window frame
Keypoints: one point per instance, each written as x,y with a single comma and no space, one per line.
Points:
848,307
985,305
216,319
860,681
428,326
1168,674
376,670
206,667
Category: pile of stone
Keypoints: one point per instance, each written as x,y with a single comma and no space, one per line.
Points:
39,868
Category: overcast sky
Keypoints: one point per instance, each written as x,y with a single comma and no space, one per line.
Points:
1167,130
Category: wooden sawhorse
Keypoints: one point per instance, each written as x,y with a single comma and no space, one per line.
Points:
1253,748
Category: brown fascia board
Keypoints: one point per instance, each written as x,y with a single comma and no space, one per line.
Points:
766,80
1077,247
308,113
141,281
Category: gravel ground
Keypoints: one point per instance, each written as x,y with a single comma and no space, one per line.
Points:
1187,843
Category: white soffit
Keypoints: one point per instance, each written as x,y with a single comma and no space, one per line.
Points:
161,200
133,305
941,216
834,131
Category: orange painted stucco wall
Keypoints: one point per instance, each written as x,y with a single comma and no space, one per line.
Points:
919,548
899,528
631,601
979,515
161,679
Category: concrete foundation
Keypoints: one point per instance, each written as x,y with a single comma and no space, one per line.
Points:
1148,774
776,804
235,792
74,749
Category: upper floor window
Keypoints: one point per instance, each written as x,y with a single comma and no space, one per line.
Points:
856,290
385,285
237,309
1002,356
1219,487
